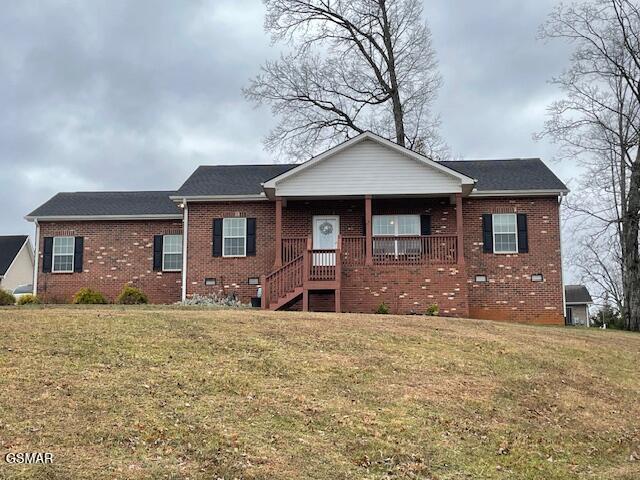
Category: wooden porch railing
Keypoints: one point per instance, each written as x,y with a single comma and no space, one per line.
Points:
353,250
292,247
405,250
283,281
311,269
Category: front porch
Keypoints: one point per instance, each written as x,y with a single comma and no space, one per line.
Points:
334,235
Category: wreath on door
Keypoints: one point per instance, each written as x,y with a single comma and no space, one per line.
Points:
326,228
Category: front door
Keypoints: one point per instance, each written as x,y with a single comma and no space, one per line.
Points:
325,237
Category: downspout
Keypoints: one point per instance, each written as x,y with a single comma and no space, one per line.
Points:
564,295
36,258
185,232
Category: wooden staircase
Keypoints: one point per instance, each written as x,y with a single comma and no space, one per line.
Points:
311,270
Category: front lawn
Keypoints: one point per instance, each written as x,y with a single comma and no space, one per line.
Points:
190,393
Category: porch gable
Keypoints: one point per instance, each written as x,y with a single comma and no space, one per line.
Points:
368,165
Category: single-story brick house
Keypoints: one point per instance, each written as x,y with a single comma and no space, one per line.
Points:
363,223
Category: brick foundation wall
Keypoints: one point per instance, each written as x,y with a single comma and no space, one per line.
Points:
231,274
115,253
510,294
405,289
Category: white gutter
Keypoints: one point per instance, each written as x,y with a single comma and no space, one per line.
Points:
220,198
185,233
564,293
36,258
518,193
62,218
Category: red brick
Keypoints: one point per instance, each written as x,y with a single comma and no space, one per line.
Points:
115,253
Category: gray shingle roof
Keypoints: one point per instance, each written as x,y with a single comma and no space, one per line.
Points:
510,174
9,247
108,204
577,294
513,174
231,179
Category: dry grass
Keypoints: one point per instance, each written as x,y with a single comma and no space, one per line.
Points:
174,393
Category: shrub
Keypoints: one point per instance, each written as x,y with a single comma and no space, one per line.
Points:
86,296
433,310
220,299
132,296
7,298
29,299
383,309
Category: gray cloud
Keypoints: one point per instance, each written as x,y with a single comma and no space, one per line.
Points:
116,94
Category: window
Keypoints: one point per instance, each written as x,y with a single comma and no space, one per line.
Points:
537,277
210,282
172,253
481,279
234,237
396,226
254,281
505,233
63,250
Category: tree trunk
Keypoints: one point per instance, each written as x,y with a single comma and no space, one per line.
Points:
398,114
631,225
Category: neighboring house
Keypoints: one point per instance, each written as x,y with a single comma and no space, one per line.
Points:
365,222
16,261
577,299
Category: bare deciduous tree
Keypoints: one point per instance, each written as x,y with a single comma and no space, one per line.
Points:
599,120
354,65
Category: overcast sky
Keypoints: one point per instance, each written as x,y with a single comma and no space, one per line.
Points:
125,95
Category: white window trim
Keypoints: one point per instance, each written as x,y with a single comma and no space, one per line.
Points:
53,256
493,233
234,236
164,251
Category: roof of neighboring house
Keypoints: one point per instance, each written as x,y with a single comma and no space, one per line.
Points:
509,174
231,179
9,248
108,204
577,294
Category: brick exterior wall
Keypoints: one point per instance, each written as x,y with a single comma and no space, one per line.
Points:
231,274
115,253
120,252
405,289
510,294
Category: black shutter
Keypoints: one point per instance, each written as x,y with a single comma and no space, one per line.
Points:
251,237
78,254
47,255
425,224
523,234
487,232
157,252
217,237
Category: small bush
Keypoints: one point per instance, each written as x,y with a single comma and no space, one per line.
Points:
7,298
132,296
86,296
383,309
433,310
29,299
